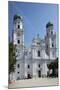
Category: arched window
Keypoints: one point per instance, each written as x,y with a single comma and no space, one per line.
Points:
18,41
18,72
38,53
38,43
18,26
18,65
28,66
52,45
39,65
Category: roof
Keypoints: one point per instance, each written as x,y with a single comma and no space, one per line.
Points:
36,39
17,17
49,24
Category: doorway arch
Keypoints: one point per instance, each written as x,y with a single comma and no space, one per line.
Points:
39,73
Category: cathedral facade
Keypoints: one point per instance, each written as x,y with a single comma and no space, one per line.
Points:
32,62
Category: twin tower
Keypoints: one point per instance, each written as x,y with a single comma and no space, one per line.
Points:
18,40
36,65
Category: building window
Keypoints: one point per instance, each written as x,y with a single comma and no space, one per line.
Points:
52,45
28,66
38,53
18,26
18,41
18,72
39,65
51,32
38,43
18,65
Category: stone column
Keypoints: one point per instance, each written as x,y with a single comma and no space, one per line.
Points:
25,69
34,70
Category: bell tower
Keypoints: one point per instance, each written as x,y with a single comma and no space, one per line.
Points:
50,40
18,41
18,31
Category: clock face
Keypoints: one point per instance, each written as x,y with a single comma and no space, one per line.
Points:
21,25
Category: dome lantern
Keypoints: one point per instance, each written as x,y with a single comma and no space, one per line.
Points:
49,24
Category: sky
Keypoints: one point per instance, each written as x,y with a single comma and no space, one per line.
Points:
35,17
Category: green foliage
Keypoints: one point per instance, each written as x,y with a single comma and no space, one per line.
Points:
12,59
54,64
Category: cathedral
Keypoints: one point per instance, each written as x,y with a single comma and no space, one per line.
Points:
32,62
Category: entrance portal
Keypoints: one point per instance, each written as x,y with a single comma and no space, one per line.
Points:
29,76
39,73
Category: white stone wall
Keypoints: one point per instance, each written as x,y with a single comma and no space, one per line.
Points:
35,53
20,69
14,39
32,59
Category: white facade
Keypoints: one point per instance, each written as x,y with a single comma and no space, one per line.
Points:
32,62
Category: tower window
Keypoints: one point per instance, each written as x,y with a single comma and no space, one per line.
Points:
39,65
18,26
18,65
18,41
28,66
38,53
52,45
18,72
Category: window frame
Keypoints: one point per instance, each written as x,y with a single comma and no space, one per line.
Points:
28,66
38,53
18,65
39,65
18,26
18,72
18,41
52,45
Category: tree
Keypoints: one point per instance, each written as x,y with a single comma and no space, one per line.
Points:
12,59
54,66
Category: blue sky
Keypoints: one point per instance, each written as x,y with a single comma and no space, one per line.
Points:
35,17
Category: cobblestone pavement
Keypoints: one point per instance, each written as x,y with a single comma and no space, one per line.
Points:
34,82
